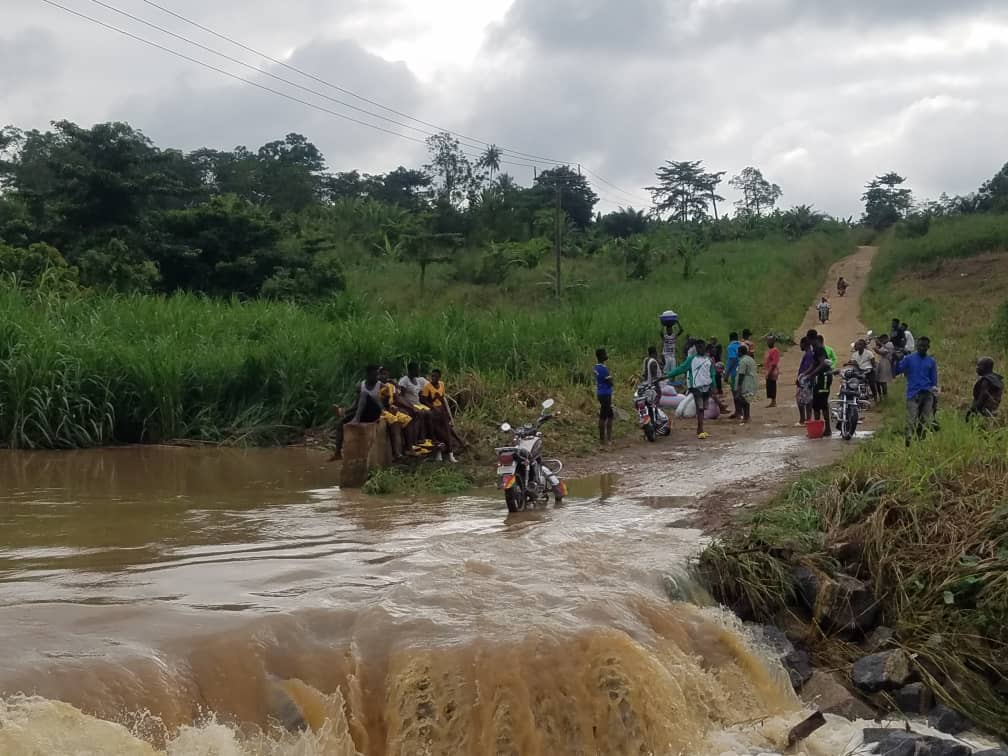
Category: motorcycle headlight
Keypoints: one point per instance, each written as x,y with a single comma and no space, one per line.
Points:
853,385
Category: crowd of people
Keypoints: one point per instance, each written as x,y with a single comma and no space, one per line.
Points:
713,374
416,412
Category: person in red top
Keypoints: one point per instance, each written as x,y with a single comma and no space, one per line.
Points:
772,366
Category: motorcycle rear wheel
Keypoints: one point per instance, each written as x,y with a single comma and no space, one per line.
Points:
514,497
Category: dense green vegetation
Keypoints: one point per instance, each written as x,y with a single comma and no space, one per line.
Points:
929,524
81,370
233,296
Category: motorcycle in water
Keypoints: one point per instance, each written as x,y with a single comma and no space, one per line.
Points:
653,420
847,407
522,474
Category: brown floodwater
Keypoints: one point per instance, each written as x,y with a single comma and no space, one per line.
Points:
197,601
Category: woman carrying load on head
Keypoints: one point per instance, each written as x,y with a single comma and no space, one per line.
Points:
670,336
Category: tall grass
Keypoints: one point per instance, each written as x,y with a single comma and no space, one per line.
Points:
87,370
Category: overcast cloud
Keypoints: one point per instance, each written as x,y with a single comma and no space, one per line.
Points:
820,95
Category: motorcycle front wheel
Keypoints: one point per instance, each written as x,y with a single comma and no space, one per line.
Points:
850,422
649,432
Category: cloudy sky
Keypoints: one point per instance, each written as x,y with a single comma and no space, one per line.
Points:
819,94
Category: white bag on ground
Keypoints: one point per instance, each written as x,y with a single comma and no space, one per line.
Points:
670,401
687,407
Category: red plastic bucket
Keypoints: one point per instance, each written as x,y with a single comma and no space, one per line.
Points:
815,428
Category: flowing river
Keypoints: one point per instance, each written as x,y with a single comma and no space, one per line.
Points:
192,601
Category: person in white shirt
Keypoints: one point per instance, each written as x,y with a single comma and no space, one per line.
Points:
864,358
410,386
911,343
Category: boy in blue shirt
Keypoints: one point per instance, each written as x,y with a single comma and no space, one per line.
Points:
603,389
921,371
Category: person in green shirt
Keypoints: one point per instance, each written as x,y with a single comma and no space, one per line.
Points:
829,351
745,387
700,374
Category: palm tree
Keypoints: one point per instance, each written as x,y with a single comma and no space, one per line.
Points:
491,160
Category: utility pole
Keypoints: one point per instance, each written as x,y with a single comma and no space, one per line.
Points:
556,240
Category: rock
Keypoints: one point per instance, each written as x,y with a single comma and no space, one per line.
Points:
945,719
845,605
798,666
848,553
872,735
795,662
796,628
824,692
772,638
879,638
283,709
914,698
839,604
806,586
885,670
902,743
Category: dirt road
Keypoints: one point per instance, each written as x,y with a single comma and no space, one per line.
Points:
757,457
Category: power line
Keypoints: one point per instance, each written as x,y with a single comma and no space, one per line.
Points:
229,74
375,103
328,111
264,72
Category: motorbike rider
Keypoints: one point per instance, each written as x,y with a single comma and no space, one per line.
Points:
699,371
864,359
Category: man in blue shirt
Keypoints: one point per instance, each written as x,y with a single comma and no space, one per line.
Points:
921,373
603,389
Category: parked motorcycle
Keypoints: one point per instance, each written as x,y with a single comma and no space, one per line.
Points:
522,474
851,399
653,420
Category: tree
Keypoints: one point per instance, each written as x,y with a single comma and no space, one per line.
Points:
404,187
624,223
491,160
758,194
576,196
425,249
226,246
684,189
290,173
994,192
450,170
799,220
710,182
886,201
39,266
